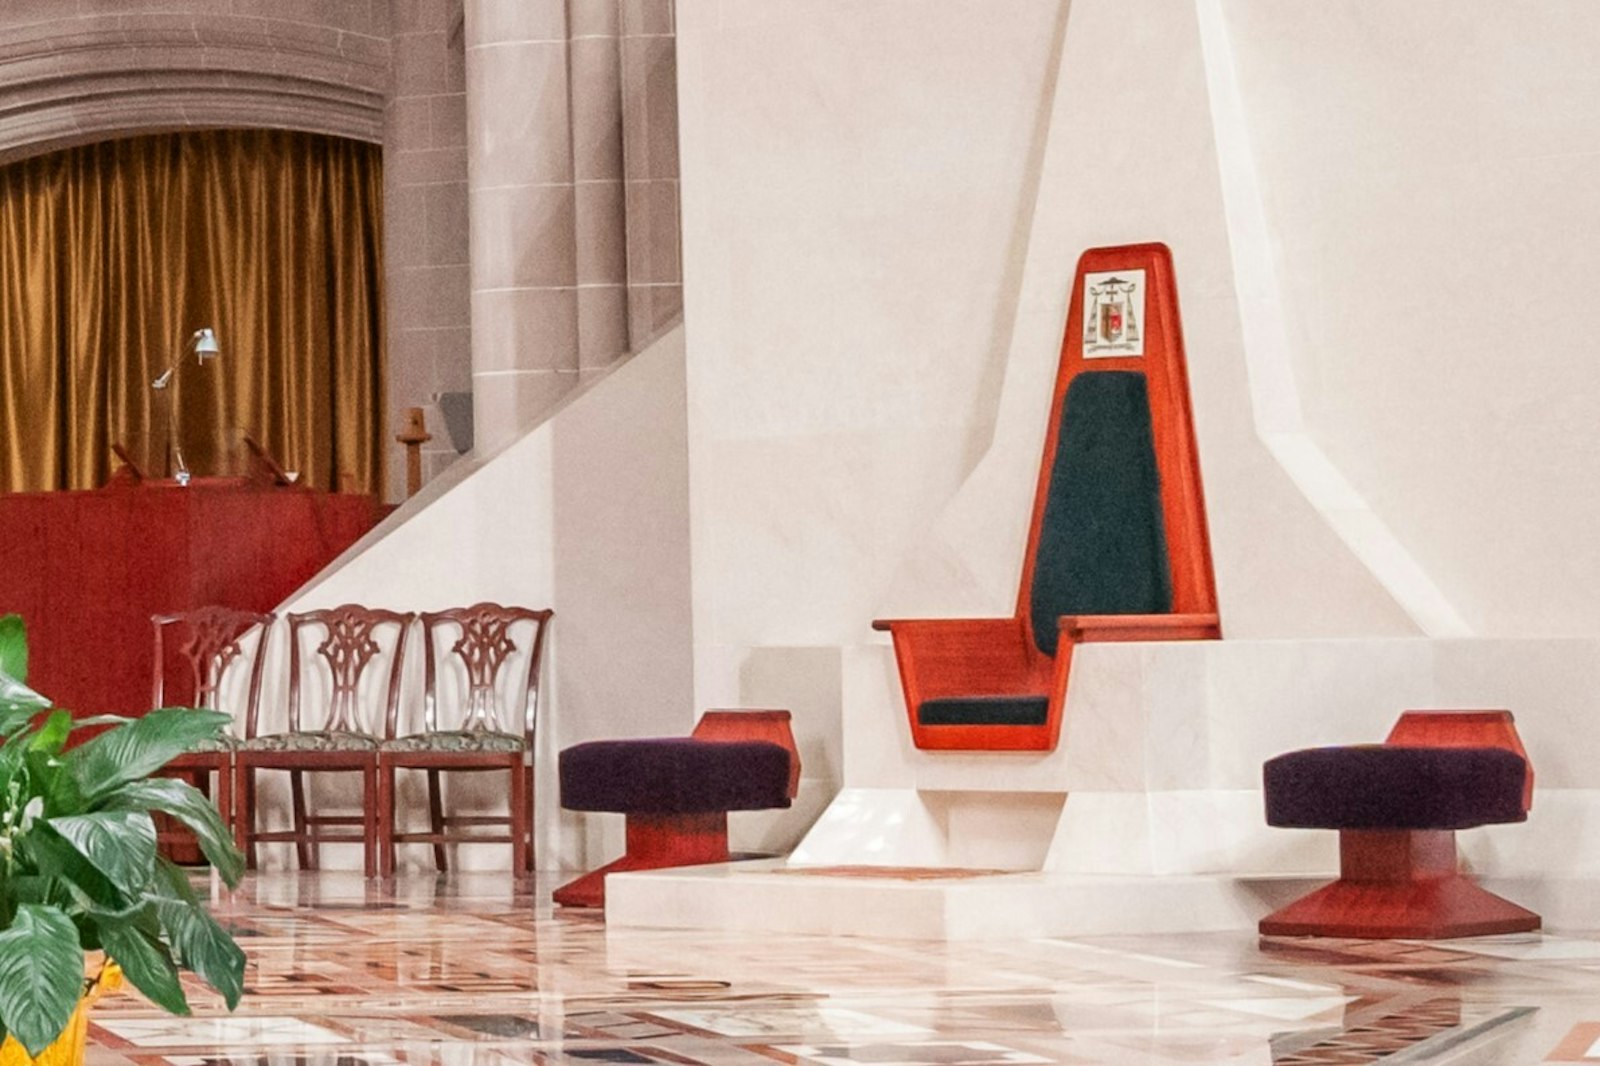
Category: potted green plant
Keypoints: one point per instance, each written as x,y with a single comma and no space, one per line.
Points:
79,869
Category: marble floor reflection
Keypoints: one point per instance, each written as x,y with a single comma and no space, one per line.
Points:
476,971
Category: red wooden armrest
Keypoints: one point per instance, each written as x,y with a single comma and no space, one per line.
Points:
1463,729
1103,628
992,642
892,625
769,725
942,657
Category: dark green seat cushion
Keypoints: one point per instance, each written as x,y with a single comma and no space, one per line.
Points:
984,710
1102,544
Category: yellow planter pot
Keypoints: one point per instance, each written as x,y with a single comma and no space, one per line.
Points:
68,1047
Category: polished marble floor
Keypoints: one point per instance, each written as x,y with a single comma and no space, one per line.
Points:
474,971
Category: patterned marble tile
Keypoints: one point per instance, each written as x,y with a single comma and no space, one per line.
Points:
477,970
941,1052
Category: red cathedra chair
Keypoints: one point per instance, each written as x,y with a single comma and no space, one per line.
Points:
1117,547
1397,806
677,791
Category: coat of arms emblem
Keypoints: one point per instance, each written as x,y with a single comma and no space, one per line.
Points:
1113,313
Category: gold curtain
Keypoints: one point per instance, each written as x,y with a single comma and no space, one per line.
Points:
113,254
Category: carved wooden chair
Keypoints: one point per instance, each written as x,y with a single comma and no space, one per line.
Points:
195,652
475,718
357,662
1117,547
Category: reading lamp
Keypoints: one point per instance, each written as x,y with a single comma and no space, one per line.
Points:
204,346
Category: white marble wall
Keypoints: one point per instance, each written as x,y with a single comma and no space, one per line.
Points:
1430,177
854,221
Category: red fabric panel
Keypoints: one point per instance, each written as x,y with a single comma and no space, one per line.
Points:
88,569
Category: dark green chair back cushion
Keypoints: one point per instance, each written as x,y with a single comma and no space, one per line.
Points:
1102,545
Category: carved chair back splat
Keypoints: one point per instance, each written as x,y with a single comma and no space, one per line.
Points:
477,716
196,650
485,642
357,658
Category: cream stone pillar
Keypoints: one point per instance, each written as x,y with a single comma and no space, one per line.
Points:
650,150
425,228
596,83
524,265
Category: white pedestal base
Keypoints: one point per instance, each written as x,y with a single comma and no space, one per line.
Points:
757,896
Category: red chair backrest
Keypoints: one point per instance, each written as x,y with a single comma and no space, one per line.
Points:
1463,729
771,726
1143,274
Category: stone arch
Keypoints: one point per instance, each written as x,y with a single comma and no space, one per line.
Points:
111,69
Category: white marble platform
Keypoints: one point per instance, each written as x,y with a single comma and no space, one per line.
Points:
1149,816
756,895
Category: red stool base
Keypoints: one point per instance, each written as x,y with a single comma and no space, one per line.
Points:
1399,883
655,842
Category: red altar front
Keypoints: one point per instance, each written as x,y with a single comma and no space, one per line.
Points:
88,569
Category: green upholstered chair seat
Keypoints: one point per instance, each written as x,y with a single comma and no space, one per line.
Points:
1102,545
984,710
211,745
311,742
469,740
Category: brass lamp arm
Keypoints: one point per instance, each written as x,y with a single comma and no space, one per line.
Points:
204,345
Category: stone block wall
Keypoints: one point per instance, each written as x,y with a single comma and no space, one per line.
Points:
530,157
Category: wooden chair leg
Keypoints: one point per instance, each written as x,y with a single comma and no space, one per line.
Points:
441,858
532,808
386,819
521,838
225,794
370,831
308,850
244,813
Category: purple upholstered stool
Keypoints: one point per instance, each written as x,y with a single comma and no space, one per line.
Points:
1397,806
676,792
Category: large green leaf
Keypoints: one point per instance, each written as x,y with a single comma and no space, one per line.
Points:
147,963
52,736
18,704
140,748
188,805
12,757
56,859
13,647
201,944
119,844
41,975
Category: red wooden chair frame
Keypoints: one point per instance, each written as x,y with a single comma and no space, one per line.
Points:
947,657
349,647
210,642
484,645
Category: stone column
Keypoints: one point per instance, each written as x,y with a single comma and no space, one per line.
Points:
522,214
650,150
596,83
425,228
